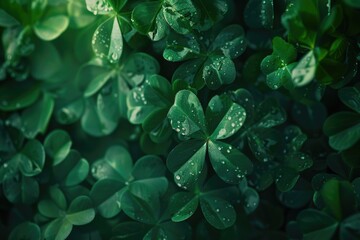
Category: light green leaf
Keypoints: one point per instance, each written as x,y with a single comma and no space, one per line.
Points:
58,229
57,145
117,164
80,211
107,41
52,27
101,7
304,72
72,170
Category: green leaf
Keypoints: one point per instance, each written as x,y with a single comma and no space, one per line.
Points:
229,163
6,20
101,7
278,65
130,230
141,204
187,115
286,178
343,129
72,170
57,145
46,61
148,166
31,159
182,206
259,14
20,189
297,197
316,225
218,212
352,3
107,41
106,195
339,198
36,117
191,72
269,113
180,15
224,117
304,72
350,96
349,227
101,115
97,83
210,12
116,164
51,28
148,19
181,47
153,95
187,161
217,71
230,42
138,67
80,211
57,229
26,231
14,95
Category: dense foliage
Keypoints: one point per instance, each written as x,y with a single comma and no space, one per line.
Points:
180,119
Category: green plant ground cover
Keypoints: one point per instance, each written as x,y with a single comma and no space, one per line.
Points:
179,119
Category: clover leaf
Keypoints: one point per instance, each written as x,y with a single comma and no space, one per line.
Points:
278,66
343,128
210,64
107,91
223,119
117,176
107,41
179,15
60,217
213,198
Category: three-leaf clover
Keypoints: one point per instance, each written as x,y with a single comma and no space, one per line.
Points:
210,62
60,216
214,198
223,118
118,177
